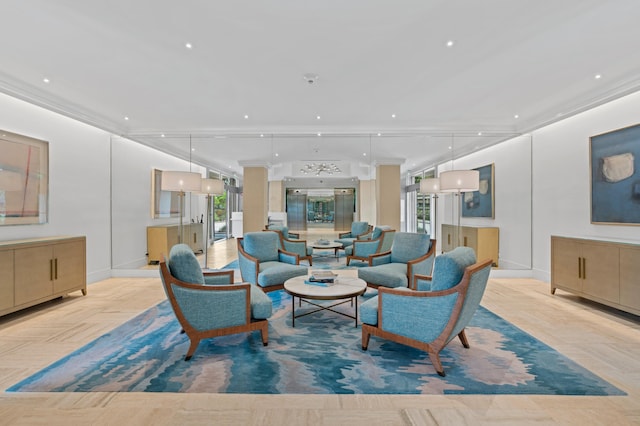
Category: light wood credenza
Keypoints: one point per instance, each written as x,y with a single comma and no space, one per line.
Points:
603,271
484,240
36,270
161,238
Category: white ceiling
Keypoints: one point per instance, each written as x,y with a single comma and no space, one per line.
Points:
109,59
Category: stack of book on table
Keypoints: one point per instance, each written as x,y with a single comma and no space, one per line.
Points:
322,278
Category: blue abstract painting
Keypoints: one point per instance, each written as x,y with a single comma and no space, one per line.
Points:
480,203
615,179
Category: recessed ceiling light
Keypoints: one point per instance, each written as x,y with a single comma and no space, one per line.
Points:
317,117
46,80
450,147
126,118
319,134
193,149
516,116
364,154
379,134
262,135
162,135
479,133
246,117
598,76
188,45
393,116
450,43
310,78
277,155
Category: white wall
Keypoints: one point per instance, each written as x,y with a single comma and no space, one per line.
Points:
561,185
512,192
80,187
132,168
78,180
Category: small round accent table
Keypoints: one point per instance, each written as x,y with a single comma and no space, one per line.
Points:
343,290
327,246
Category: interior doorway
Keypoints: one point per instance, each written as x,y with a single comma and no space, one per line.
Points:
309,209
320,210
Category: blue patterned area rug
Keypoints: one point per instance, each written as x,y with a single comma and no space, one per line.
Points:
321,355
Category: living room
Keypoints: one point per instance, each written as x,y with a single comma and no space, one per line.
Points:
99,187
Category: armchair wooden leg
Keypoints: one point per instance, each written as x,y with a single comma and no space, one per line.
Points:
365,338
435,360
192,348
463,339
264,334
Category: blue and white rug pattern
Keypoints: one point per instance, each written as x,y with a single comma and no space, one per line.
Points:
321,355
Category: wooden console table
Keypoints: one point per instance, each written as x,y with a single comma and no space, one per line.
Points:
603,271
37,270
485,241
161,238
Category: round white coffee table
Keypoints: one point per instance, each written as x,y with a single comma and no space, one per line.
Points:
327,246
343,289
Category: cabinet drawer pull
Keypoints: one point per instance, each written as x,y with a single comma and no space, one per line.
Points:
50,269
465,241
448,238
579,267
55,264
584,268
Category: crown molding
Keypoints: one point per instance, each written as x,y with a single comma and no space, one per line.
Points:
255,163
388,161
31,94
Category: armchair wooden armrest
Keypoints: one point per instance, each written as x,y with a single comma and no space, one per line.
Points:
373,256
344,234
295,256
416,277
368,231
418,263
223,272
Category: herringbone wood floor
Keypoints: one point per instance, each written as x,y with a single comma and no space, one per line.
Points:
602,340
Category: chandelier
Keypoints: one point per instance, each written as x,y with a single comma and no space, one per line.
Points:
317,168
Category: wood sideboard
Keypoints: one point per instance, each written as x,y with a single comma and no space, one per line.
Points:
603,271
37,270
161,238
485,241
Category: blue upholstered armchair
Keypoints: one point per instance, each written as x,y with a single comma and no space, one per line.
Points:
357,229
429,320
378,241
298,247
410,254
209,304
285,231
264,263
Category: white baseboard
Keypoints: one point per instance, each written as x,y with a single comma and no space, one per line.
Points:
511,273
135,273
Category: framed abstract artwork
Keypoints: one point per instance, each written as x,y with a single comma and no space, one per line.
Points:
24,179
480,203
615,179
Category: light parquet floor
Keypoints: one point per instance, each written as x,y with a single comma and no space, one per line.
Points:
602,340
